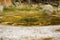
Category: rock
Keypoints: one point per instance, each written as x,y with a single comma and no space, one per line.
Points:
48,9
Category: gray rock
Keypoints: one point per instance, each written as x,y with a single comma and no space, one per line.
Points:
48,9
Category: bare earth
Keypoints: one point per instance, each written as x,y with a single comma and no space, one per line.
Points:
29,33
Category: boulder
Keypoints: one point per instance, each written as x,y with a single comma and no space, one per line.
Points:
49,9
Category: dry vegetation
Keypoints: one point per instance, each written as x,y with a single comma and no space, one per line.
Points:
28,16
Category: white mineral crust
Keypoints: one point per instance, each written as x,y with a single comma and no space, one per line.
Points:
28,33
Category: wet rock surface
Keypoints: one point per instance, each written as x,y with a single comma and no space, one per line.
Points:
29,33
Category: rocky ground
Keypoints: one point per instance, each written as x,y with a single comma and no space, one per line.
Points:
29,33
